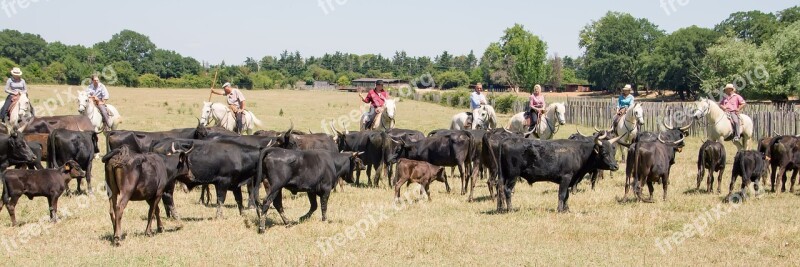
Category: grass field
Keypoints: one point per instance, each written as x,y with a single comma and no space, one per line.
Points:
447,231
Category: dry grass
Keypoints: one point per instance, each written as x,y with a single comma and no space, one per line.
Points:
447,231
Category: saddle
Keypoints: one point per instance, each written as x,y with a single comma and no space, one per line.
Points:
469,120
527,121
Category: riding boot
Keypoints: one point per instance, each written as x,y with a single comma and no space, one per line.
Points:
4,111
239,123
104,114
534,121
736,132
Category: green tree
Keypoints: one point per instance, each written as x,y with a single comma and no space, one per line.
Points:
129,46
754,70
56,72
452,79
615,46
787,52
525,54
343,81
6,65
150,81
494,67
34,73
23,48
677,59
126,75
754,26
789,15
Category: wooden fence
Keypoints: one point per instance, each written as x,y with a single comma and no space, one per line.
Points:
595,112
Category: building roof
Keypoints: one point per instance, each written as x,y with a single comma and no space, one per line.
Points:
376,79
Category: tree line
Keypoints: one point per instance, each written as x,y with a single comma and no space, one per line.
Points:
755,50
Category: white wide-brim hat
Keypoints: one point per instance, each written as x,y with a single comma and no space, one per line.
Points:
16,72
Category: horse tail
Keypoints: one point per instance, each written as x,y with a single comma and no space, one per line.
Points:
256,121
5,197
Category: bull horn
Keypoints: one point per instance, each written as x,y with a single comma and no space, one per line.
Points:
333,126
775,133
579,132
597,130
614,140
345,128
291,127
506,129
270,143
686,128
669,127
190,149
661,140
310,132
679,141
173,148
603,136
529,132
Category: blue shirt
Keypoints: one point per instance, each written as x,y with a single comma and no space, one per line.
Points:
625,102
14,87
100,91
475,100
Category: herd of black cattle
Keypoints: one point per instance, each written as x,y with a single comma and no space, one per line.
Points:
145,166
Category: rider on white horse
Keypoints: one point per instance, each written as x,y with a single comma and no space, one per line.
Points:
98,93
732,103
624,102
235,102
376,98
476,99
536,107
15,86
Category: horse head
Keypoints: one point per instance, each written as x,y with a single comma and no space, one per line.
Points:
390,107
205,114
702,108
638,113
560,112
83,102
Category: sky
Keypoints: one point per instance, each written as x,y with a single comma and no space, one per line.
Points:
233,30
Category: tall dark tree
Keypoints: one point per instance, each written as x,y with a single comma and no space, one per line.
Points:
129,46
754,26
677,60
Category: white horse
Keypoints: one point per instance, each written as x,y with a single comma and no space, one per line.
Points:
224,117
628,127
21,112
386,121
87,107
483,117
718,126
551,121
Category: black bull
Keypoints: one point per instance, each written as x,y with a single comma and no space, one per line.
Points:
226,164
563,162
312,171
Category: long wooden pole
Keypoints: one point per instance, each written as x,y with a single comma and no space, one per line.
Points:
214,82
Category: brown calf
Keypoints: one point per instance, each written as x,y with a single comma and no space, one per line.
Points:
49,183
420,172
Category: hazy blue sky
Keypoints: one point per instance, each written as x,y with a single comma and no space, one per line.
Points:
232,30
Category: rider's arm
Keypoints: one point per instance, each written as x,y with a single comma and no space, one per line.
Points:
8,87
742,103
367,99
105,93
242,103
215,92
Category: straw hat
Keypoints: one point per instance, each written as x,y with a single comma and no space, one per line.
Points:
730,86
16,72
626,88
226,85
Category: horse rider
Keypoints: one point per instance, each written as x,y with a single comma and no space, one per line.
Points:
476,99
235,102
376,98
98,93
624,102
733,103
536,107
14,87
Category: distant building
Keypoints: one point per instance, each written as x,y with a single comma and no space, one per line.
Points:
574,87
369,83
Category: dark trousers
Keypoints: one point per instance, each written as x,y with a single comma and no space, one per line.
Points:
735,121
4,111
104,113
534,117
239,122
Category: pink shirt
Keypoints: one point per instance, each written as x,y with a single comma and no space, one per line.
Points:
537,101
732,102
376,99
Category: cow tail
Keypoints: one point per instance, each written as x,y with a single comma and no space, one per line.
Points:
51,156
108,143
635,168
701,158
6,198
259,176
499,179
